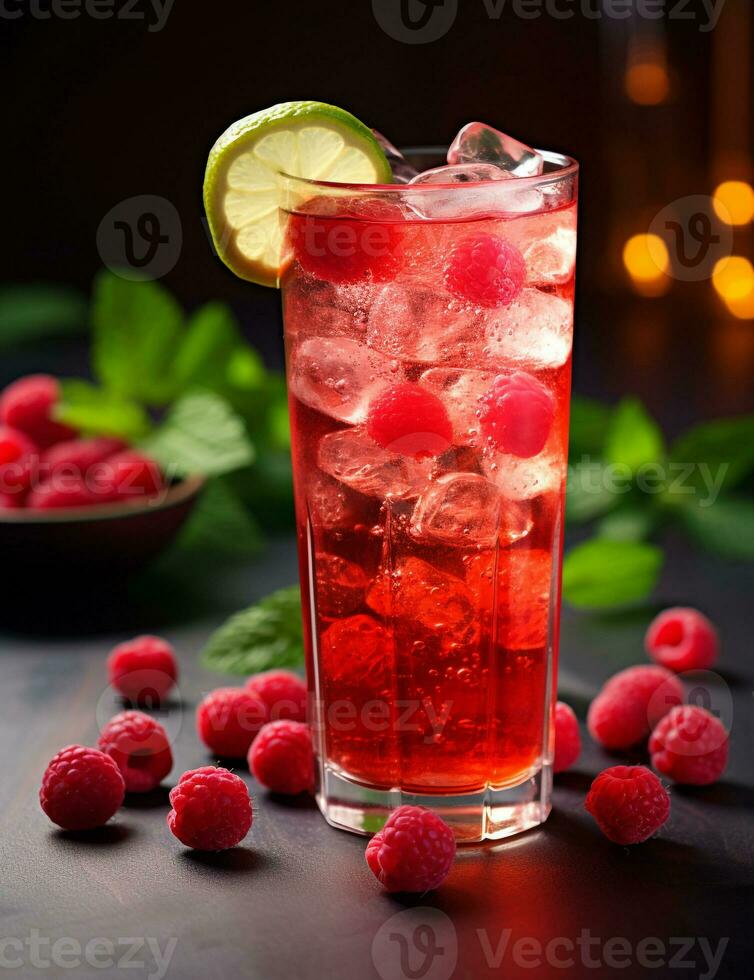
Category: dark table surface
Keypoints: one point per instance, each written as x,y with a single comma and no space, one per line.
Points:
297,900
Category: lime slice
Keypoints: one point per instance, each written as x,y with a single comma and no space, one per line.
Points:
242,185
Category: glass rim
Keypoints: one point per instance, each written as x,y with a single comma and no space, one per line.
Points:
567,168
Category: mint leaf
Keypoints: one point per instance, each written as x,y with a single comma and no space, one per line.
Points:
137,329
633,438
201,434
35,312
628,524
590,421
205,352
603,573
98,412
591,491
725,447
220,524
727,528
267,635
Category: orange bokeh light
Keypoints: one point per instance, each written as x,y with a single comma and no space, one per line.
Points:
647,83
733,201
647,262
733,278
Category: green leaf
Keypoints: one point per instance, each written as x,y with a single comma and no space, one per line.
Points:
592,490
726,528
590,421
201,434
37,312
137,330
96,411
628,524
206,349
721,453
220,524
634,438
603,573
267,635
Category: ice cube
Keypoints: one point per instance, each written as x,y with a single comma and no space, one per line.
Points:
459,390
535,330
339,376
332,506
354,458
403,172
464,509
416,323
524,479
317,308
418,591
461,173
479,143
340,585
551,260
524,586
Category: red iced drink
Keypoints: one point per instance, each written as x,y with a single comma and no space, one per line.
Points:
428,334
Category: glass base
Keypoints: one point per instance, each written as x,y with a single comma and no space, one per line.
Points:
489,814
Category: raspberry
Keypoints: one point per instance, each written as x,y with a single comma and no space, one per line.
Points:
140,748
567,738
28,404
143,669
630,704
11,501
410,420
211,809
17,457
281,757
361,244
228,719
77,456
283,692
690,745
682,639
81,788
485,269
516,414
413,852
629,803
126,476
70,491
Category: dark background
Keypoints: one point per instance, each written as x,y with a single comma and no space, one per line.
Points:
99,111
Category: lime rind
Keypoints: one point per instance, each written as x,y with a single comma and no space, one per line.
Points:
243,188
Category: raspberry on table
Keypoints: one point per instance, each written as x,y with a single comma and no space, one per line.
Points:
363,242
281,757
81,788
283,692
28,405
140,748
211,809
17,457
690,745
682,639
567,738
486,270
228,719
629,803
516,414
143,670
56,494
413,852
410,420
77,456
631,703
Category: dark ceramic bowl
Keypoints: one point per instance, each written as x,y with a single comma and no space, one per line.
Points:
68,547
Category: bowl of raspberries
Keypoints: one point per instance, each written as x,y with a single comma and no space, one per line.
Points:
72,504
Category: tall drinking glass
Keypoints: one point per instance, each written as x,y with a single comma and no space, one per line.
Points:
428,339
